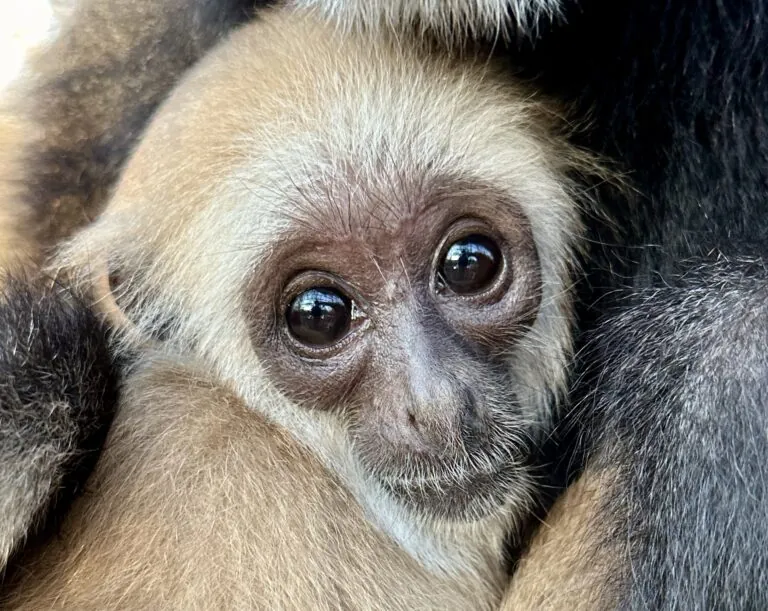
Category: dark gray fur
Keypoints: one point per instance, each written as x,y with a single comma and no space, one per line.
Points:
57,392
675,393
677,404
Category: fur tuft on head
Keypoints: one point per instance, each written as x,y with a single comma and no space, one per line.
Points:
452,20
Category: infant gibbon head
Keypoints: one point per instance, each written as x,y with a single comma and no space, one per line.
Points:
369,245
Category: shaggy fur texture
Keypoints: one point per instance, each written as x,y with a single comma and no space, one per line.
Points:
57,388
66,127
453,20
691,514
671,512
682,110
247,177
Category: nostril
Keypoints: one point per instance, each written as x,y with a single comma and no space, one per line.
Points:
417,434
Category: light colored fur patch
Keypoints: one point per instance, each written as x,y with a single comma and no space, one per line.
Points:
452,20
200,503
572,560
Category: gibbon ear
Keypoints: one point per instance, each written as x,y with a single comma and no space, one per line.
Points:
104,284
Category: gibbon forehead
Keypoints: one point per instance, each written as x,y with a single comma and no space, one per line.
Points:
305,224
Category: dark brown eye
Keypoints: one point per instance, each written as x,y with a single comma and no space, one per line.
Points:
319,316
470,264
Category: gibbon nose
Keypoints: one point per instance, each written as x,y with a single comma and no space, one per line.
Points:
435,408
436,417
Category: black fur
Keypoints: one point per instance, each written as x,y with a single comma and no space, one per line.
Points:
677,92
676,391
57,392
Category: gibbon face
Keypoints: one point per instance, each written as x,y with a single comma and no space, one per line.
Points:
398,312
372,246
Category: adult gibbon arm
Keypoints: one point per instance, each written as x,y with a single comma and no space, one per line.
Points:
57,391
71,119
66,126
672,511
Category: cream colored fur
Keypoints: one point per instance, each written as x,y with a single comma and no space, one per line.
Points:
453,20
263,118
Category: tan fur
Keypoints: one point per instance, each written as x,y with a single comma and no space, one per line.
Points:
199,503
572,561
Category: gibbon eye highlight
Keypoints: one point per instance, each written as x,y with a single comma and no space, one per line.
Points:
319,316
470,265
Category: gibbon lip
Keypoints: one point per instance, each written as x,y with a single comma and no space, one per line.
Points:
473,493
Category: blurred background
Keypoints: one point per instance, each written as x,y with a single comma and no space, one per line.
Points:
24,24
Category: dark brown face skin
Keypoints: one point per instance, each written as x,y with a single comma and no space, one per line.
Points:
423,373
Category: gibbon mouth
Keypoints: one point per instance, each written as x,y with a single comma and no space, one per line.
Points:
466,496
